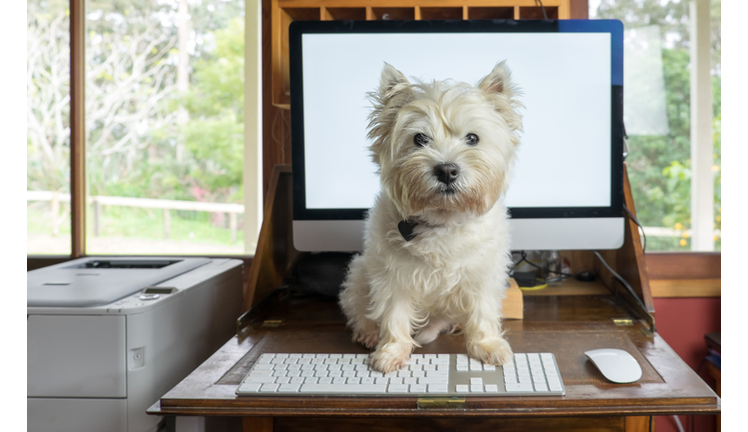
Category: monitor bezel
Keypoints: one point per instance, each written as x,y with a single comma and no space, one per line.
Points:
614,27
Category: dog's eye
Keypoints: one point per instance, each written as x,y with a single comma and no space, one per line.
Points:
472,139
420,139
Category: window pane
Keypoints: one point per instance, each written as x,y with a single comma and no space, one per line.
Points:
165,128
657,114
716,37
48,127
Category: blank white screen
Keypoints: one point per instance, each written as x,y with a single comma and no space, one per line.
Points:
564,155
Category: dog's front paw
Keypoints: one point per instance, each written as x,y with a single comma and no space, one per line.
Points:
391,356
369,340
492,351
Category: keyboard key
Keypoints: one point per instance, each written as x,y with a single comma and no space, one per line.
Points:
437,388
554,383
518,387
260,379
268,388
289,388
541,387
462,367
249,387
492,388
433,380
418,388
462,388
343,389
490,368
476,388
397,388
476,381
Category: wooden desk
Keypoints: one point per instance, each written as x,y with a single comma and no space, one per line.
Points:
566,325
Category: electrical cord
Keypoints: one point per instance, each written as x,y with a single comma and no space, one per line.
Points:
524,259
545,17
621,280
633,218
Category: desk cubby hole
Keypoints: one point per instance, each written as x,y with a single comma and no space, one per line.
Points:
536,13
441,13
393,13
343,13
490,13
281,86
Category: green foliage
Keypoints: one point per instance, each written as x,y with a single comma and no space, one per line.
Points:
214,135
659,167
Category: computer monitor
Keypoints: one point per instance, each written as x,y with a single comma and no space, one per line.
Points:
566,192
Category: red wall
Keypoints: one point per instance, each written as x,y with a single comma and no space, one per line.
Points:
683,322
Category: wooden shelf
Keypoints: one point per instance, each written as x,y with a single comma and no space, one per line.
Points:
284,12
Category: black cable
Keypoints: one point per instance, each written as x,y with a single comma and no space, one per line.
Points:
633,218
524,259
650,423
545,17
621,280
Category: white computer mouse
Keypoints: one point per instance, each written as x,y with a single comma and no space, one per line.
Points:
616,365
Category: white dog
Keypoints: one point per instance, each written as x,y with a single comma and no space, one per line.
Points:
436,248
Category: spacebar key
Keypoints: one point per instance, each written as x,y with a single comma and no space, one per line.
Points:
343,388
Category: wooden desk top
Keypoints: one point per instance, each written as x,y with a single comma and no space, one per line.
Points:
565,325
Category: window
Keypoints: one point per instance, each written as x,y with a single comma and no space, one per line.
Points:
658,112
48,127
164,128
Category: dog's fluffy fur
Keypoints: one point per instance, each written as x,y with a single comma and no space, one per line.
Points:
401,294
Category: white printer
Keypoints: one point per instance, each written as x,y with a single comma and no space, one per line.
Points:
107,337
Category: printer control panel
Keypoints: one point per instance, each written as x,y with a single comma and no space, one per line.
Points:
145,297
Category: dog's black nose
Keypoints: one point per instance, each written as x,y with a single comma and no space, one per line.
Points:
446,172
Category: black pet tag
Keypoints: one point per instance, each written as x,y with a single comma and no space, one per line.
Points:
406,229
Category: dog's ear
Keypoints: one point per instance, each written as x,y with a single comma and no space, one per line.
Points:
498,81
393,93
391,82
502,92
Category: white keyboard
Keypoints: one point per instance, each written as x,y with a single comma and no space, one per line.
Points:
528,374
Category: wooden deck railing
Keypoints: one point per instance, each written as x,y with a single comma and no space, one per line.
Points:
98,201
